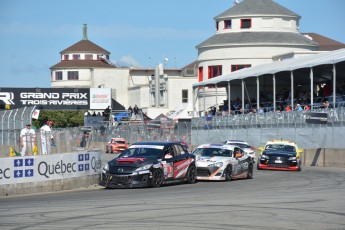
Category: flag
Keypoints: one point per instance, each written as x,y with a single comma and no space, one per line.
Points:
34,150
14,153
35,114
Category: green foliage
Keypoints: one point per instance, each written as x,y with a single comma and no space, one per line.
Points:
61,119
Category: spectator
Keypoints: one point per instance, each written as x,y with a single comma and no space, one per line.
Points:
288,108
130,110
136,110
298,107
84,139
306,108
326,105
107,111
27,140
94,114
47,138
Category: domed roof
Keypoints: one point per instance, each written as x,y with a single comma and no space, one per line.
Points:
257,7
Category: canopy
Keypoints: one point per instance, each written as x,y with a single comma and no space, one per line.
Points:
330,57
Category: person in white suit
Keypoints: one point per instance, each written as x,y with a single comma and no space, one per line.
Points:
47,138
27,140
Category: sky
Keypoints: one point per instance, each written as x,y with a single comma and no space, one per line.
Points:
137,32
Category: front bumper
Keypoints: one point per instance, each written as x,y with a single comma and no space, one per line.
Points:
210,173
284,165
124,181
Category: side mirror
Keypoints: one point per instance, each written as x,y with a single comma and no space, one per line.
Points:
238,155
300,151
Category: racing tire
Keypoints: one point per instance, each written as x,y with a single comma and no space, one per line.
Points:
157,178
228,173
191,175
250,171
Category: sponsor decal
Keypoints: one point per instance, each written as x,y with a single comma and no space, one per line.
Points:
23,168
316,118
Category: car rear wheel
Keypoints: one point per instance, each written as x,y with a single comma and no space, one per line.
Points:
157,178
191,175
250,172
228,173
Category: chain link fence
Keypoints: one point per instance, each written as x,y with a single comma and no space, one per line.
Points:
259,128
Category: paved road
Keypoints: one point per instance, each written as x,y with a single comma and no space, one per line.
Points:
311,199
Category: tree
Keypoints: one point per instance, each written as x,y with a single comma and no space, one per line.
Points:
61,119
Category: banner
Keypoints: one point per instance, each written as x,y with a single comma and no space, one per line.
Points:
55,98
316,117
27,169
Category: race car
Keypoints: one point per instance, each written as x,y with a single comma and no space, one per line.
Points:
150,164
222,162
280,155
250,150
116,145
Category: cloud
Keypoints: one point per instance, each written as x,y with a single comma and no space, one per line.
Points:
127,61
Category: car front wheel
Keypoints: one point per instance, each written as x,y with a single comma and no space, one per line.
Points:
191,175
250,172
228,173
157,178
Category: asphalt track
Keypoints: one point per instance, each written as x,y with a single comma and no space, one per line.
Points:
310,199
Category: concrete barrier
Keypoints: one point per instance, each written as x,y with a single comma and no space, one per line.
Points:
48,186
324,157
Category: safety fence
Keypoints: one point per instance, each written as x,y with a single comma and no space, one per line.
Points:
325,131
73,139
335,117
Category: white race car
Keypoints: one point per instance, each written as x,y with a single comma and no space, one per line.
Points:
250,150
222,162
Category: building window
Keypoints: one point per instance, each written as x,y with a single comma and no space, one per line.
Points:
246,23
88,57
76,56
227,24
58,75
73,75
217,26
214,71
238,67
201,74
185,96
66,57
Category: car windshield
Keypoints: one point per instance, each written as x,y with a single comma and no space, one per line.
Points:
241,145
143,151
283,147
118,142
212,152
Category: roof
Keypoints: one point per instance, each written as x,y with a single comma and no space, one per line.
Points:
257,7
326,44
82,64
258,38
330,57
84,46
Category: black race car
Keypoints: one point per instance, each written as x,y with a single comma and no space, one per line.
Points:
149,164
279,160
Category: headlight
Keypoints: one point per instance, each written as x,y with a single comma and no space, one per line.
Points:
292,158
106,167
145,167
219,164
265,157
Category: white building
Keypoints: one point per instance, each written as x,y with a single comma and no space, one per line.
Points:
251,33
155,91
